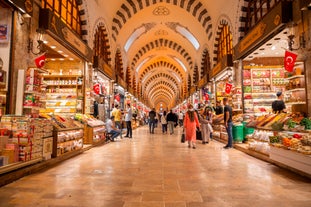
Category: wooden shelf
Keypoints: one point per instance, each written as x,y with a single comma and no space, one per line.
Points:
295,76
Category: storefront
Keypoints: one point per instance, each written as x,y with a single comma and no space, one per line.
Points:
264,55
222,76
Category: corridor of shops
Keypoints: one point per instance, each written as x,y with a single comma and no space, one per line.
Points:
156,170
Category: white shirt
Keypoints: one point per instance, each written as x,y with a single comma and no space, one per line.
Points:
181,116
109,125
128,115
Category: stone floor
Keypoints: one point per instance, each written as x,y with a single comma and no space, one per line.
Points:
155,170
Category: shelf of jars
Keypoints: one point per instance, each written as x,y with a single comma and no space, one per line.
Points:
34,91
295,91
64,94
260,86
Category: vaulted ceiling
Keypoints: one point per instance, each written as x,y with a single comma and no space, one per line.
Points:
161,41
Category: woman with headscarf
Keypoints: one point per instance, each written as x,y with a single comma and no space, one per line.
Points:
206,124
191,123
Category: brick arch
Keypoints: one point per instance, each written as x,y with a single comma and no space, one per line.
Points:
100,27
221,24
205,64
131,7
160,88
162,43
162,92
119,65
161,96
164,83
161,76
163,64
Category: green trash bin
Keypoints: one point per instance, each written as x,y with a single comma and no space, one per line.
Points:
247,130
238,133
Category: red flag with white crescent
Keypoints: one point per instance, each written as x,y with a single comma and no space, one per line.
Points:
289,61
96,88
228,88
40,61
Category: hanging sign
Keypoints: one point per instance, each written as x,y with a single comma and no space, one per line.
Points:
40,61
96,88
289,61
228,88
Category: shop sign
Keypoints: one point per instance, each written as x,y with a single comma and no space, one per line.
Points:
59,30
102,66
225,62
25,6
202,82
273,22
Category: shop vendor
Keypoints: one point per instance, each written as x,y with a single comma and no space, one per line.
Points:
278,106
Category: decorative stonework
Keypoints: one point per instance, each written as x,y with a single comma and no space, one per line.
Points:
161,11
161,32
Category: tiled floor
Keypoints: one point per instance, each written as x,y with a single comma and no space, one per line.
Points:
156,170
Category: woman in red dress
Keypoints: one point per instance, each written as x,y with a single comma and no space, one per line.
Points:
191,123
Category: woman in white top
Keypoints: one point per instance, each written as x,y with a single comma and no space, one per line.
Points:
164,122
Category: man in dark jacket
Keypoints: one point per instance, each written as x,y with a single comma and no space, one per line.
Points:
171,119
152,118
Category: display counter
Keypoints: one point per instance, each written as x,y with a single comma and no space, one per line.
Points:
67,140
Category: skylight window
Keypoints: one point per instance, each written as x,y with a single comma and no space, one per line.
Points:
142,63
184,32
180,63
133,37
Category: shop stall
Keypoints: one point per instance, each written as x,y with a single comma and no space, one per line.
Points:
263,56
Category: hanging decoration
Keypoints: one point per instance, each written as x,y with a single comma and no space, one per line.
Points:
289,61
40,61
228,88
96,88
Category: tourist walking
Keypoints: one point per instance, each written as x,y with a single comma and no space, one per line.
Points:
191,123
171,119
152,117
164,122
128,121
206,124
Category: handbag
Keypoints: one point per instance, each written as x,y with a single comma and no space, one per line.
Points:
198,135
183,138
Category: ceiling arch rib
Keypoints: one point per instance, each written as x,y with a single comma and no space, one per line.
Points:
164,83
162,75
160,88
160,96
162,43
131,7
153,81
162,64
164,93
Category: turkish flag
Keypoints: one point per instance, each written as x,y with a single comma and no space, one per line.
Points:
228,88
40,61
289,61
117,97
96,88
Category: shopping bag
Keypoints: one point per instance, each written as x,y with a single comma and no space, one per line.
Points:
183,138
198,135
